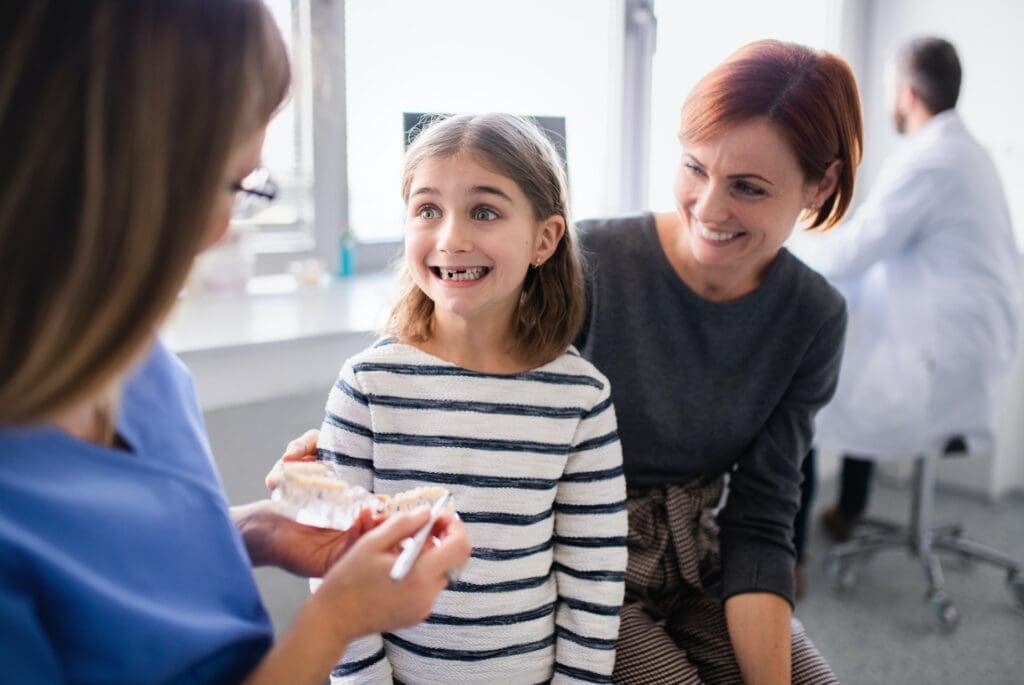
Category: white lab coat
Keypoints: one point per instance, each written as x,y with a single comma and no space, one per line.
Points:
931,273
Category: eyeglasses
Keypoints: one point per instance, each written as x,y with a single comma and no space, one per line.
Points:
253,194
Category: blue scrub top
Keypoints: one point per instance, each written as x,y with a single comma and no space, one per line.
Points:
124,566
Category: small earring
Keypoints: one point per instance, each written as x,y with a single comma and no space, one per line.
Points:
814,206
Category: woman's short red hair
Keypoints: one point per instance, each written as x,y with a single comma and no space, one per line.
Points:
810,96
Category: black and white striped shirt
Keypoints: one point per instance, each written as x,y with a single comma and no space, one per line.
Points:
534,462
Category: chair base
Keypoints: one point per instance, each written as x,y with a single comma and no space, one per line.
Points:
923,542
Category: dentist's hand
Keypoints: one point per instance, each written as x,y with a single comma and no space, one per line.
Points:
272,539
359,592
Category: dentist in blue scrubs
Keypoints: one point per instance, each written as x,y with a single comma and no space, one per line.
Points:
128,129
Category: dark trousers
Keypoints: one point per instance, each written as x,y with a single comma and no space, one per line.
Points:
855,485
854,488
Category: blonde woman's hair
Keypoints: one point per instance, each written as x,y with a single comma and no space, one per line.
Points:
550,310
117,119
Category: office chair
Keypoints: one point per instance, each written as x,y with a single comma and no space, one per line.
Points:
924,541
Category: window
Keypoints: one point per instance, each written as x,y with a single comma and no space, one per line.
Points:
362,65
286,225
541,58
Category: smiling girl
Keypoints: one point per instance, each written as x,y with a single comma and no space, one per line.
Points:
479,391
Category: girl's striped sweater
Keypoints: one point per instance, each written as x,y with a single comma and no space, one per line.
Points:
534,462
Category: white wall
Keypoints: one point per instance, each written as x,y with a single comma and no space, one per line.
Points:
986,34
246,441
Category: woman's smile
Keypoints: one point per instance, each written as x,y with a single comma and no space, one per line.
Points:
718,238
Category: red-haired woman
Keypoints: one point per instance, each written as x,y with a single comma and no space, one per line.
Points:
720,347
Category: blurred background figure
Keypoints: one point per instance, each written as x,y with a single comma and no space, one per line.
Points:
930,271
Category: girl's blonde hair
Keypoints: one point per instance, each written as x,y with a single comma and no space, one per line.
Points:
117,120
550,310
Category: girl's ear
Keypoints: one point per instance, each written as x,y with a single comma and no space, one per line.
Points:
551,231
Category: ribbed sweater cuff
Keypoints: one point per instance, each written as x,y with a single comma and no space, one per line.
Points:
750,564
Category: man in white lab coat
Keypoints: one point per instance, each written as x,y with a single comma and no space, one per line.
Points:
931,273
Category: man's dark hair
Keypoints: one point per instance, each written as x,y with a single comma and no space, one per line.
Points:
932,70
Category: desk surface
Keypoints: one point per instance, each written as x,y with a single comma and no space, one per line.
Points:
277,339
274,309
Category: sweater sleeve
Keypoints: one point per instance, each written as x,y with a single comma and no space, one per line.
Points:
346,439
764,490
590,549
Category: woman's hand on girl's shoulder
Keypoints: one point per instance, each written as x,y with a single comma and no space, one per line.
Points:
302,448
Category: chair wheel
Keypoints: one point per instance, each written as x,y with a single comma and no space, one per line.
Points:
840,574
942,607
1015,579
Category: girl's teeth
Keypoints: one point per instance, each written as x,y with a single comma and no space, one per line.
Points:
462,274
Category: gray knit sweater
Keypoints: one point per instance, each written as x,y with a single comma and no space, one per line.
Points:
703,388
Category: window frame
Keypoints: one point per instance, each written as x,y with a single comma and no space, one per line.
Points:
322,110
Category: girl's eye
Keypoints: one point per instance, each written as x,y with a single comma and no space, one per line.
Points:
694,169
428,212
748,189
484,214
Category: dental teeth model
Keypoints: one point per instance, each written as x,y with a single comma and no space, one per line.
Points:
311,492
424,496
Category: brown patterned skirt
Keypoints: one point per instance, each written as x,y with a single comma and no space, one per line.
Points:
673,624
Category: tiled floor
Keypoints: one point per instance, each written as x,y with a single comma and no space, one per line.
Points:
881,631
